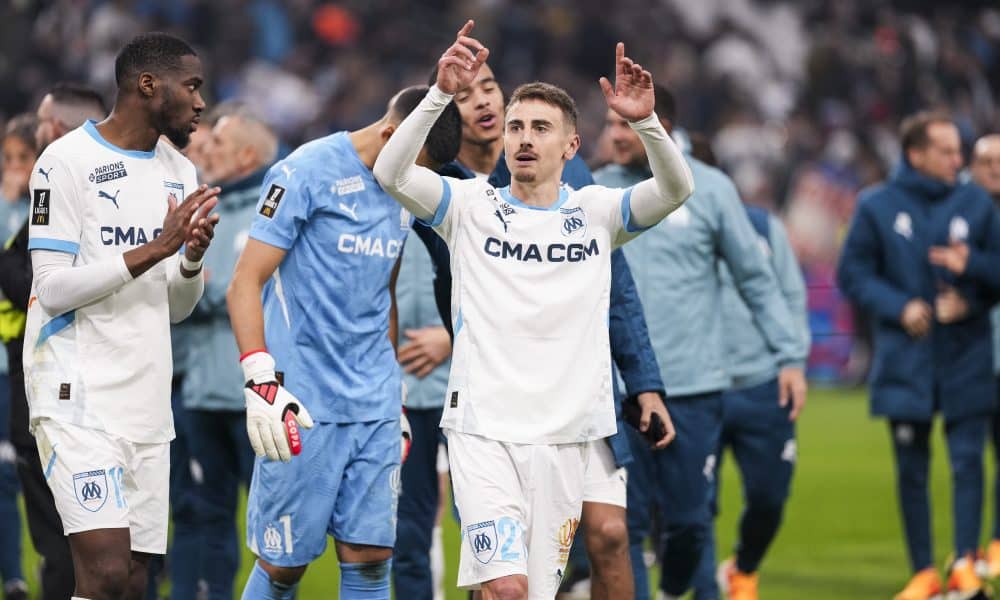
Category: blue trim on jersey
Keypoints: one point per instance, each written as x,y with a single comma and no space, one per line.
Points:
92,131
443,205
52,463
458,322
508,197
627,212
55,326
53,244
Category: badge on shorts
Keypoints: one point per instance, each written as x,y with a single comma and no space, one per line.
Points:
483,540
91,489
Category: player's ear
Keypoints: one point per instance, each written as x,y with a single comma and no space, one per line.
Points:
147,84
571,147
386,131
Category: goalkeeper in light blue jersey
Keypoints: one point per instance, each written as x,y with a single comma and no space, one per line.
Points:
311,298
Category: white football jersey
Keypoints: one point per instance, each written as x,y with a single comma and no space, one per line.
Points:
530,293
106,365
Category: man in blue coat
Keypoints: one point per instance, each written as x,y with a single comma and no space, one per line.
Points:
675,265
921,259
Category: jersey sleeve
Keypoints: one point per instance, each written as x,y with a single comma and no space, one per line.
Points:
455,198
55,221
285,205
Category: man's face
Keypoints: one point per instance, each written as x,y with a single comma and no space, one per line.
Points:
180,103
225,151
18,158
941,157
626,146
537,141
986,166
199,151
48,126
481,107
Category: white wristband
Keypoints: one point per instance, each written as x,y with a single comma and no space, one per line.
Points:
189,265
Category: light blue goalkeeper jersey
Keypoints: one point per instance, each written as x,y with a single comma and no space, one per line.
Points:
675,269
326,309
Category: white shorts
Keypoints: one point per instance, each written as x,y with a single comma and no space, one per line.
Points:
101,481
519,505
604,482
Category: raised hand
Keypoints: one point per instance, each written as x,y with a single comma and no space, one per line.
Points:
177,226
200,233
459,65
632,94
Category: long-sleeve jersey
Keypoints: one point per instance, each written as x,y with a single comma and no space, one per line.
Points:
531,285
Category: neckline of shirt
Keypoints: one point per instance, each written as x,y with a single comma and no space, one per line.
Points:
91,129
511,199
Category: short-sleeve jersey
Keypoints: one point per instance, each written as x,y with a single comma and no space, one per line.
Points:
106,365
530,294
326,308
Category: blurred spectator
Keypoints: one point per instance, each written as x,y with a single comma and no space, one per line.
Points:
19,153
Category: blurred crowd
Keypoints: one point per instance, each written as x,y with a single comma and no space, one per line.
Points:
801,100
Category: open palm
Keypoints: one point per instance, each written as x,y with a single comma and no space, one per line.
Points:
632,94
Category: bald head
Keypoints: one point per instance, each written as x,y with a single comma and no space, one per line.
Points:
241,145
985,165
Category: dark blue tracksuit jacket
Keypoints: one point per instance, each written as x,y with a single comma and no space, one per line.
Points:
885,263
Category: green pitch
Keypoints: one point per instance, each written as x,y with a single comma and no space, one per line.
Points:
842,535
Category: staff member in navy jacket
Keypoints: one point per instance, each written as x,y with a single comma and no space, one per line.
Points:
921,258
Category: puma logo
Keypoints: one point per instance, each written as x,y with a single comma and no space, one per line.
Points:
350,211
114,199
44,173
287,171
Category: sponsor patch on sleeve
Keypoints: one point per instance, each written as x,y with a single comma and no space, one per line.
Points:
274,195
40,206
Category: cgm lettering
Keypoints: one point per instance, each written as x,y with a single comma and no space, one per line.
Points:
368,246
532,253
127,236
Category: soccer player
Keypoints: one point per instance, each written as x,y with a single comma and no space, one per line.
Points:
326,242
106,226
675,265
530,385
63,109
603,517
759,431
920,258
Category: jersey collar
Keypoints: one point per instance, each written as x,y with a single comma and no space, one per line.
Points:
92,131
509,198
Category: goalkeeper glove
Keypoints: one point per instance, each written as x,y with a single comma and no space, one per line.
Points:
273,413
404,424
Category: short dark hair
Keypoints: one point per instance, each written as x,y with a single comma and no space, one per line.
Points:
549,94
701,148
75,94
665,104
445,137
23,127
913,130
154,51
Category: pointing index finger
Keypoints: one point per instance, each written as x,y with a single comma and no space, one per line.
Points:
466,28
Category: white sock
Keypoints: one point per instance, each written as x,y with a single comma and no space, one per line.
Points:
437,563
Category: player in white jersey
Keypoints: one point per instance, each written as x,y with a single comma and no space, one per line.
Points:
530,384
106,225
